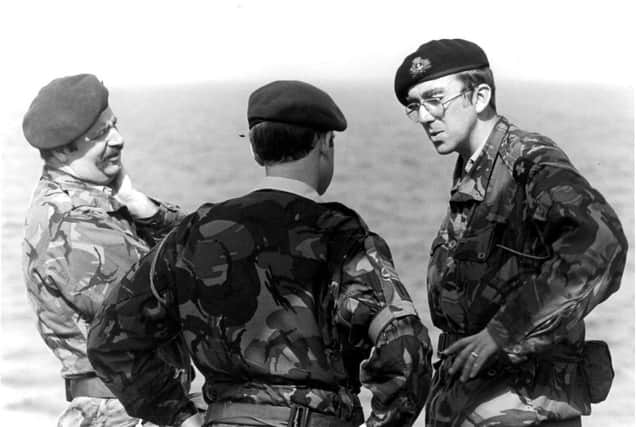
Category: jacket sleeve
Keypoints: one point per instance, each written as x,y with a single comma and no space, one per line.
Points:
153,229
381,320
140,316
587,252
86,251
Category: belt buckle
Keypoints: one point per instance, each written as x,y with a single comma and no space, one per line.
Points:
299,416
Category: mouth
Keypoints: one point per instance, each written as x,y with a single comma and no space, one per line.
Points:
434,133
113,157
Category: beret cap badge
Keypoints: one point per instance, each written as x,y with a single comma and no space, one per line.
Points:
419,65
435,59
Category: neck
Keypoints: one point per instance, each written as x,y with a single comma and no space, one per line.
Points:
479,134
299,170
67,169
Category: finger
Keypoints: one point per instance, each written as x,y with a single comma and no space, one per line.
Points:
460,360
457,346
484,353
478,364
469,365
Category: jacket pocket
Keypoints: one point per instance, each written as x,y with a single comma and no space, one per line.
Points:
478,246
598,369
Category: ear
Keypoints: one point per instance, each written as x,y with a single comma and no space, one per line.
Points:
61,155
325,142
483,95
257,158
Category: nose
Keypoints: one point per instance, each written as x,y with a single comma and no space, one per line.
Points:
115,139
424,116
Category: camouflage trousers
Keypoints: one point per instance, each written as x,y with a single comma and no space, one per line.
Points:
492,399
97,412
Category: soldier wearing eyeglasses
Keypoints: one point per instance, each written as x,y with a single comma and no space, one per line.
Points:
85,227
526,250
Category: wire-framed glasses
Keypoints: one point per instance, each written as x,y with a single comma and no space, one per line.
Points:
436,106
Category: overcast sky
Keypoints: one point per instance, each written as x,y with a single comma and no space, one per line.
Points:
149,42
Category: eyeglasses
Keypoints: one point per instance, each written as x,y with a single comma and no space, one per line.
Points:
435,106
103,131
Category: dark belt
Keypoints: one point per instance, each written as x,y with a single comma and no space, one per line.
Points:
253,414
446,339
86,387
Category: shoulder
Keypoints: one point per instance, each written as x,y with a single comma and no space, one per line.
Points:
227,220
50,203
340,217
525,153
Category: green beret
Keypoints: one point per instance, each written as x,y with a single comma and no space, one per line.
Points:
435,59
63,110
297,103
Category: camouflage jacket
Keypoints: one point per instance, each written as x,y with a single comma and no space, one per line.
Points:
527,249
281,301
78,242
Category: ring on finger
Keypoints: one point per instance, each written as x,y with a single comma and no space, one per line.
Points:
474,355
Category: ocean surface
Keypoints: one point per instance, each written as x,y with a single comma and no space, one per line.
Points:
183,145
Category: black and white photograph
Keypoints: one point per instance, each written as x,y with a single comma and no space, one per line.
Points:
314,214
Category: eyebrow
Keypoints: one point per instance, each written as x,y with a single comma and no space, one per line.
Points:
428,93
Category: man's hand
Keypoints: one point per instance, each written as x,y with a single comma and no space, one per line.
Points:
122,186
473,352
137,202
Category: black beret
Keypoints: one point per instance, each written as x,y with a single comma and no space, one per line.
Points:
435,59
64,109
297,103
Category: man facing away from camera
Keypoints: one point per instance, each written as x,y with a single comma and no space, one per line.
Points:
287,304
526,250
85,227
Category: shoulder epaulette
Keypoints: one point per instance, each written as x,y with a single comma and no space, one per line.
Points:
526,152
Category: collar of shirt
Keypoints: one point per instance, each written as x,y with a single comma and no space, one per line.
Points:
289,185
470,180
82,193
474,158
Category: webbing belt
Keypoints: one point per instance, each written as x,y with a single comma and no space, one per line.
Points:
251,414
86,387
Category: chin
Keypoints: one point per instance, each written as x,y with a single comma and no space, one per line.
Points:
112,170
442,148
111,174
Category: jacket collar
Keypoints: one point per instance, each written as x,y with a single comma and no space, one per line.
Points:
81,192
472,184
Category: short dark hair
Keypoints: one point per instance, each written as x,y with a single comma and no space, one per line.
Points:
472,78
47,153
275,142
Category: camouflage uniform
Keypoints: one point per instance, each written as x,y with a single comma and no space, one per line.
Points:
282,301
79,241
527,249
